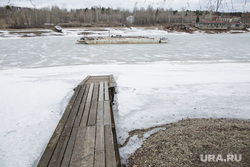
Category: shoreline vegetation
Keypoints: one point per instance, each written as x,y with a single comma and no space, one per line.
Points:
12,17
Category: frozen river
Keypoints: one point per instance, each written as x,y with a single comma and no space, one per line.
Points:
62,51
195,75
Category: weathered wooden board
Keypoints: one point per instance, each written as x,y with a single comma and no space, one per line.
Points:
101,92
69,148
112,81
110,150
98,79
93,108
100,112
85,133
99,147
85,80
90,93
89,147
63,141
77,154
106,117
82,107
45,159
85,115
106,91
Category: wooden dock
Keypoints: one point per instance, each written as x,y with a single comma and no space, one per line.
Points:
85,135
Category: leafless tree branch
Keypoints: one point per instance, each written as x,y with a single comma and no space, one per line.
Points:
20,0
32,3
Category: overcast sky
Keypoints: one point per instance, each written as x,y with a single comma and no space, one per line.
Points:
226,5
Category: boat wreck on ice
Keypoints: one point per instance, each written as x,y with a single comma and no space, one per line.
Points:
118,39
58,28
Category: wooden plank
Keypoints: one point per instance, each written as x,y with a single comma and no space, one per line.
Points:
112,78
90,93
107,117
117,154
46,157
69,149
112,81
86,137
77,154
99,147
93,109
101,92
85,80
106,91
82,107
98,79
85,116
95,93
70,146
100,113
109,146
89,147
57,156
63,141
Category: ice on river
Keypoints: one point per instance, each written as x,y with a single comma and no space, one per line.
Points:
195,76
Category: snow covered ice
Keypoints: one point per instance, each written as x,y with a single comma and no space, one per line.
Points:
195,76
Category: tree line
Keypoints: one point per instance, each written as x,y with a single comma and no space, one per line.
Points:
19,17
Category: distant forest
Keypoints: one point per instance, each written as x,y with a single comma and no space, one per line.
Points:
19,17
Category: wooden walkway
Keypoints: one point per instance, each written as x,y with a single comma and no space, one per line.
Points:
85,135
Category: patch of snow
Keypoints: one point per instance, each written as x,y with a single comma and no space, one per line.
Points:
153,131
237,31
80,32
134,143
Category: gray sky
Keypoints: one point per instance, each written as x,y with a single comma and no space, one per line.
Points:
226,5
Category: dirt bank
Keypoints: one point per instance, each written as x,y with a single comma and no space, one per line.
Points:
183,143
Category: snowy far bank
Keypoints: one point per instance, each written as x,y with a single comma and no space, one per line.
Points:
84,31
99,31
32,100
